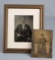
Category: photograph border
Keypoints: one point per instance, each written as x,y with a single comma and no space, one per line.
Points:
6,6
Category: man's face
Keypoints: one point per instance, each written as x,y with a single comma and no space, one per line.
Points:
42,37
23,20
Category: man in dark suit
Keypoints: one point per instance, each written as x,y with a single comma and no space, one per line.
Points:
23,32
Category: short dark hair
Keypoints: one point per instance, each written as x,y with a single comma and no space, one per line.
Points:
42,34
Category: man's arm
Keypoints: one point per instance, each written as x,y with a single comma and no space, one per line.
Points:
17,32
29,33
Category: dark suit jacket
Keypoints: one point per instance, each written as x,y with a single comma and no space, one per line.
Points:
25,34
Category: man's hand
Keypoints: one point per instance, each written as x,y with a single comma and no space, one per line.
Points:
18,35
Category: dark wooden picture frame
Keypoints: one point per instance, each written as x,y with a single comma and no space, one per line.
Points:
6,7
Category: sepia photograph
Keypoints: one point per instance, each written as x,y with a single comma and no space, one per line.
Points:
23,28
42,43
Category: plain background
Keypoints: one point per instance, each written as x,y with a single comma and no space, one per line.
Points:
49,23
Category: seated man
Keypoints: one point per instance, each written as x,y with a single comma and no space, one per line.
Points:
23,32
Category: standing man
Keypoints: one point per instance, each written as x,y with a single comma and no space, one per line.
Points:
23,32
42,44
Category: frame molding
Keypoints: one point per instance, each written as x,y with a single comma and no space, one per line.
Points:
6,6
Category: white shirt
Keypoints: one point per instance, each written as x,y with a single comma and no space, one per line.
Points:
23,26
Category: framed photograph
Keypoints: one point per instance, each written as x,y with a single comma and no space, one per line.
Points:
42,43
19,21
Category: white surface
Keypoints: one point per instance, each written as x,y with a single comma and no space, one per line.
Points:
20,56
36,25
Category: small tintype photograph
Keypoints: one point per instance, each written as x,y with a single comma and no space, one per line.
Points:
23,28
42,43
